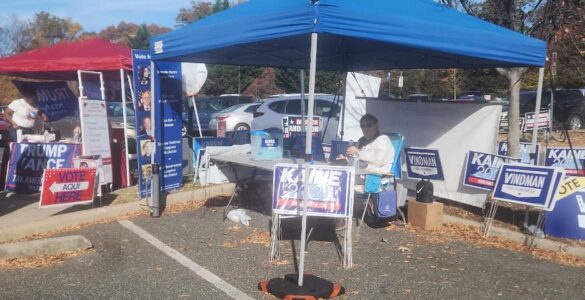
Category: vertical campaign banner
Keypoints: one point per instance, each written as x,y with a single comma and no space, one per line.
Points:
95,134
525,152
423,163
573,162
168,97
330,190
528,185
142,108
55,99
28,162
481,169
67,186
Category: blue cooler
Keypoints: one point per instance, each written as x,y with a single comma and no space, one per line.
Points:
266,144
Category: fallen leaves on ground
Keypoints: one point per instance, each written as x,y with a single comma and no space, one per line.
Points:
40,261
257,237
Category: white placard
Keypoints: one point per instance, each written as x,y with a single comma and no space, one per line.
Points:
95,133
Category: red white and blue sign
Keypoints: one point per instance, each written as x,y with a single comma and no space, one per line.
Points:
28,161
573,163
67,186
330,190
528,185
543,120
55,99
423,163
525,152
481,169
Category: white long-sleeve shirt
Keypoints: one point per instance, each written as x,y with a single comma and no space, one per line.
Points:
379,155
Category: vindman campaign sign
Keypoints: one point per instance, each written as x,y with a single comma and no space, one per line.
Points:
67,186
28,162
525,152
573,163
330,190
481,169
528,185
423,163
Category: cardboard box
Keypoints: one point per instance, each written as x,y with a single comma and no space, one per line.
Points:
427,216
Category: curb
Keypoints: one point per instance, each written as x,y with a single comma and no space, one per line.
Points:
56,222
521,237
44,247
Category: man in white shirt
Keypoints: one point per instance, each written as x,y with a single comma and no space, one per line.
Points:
22,113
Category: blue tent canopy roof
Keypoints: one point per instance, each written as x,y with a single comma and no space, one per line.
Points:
354,35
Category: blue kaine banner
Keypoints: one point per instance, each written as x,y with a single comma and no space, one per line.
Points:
54,98
421,162
525,152
28,162
481,169
330,190
573,163
527,185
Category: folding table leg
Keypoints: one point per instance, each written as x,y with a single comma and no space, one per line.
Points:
363,213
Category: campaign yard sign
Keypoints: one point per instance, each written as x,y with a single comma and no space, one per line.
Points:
481,169
423,163
528,185
525,151
294,124
28,161
563,158
67,186
543,120
567,219
330,190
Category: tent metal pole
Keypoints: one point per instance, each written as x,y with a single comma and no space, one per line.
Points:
196,116
123,87
303,108
535,126
155,180
342,130
308,141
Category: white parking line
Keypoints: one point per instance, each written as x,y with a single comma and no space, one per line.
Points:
182,259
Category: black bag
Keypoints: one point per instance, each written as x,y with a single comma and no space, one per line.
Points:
424,191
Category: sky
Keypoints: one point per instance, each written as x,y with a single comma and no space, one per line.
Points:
95,15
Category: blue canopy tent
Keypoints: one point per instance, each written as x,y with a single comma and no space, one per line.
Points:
346,35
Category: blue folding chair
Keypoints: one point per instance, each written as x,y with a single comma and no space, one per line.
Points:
374,183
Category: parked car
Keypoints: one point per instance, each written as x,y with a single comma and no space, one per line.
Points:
272,111
115,117
205,108
419,98
228,100
238,117
472,96
569,106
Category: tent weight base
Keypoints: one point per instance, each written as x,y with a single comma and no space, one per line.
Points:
313,288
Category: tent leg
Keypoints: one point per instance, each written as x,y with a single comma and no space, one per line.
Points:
123,86
308,140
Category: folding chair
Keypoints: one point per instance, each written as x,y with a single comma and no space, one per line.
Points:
375,185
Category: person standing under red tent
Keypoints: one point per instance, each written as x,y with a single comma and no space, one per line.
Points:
22,113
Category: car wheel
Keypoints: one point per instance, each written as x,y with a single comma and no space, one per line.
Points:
241,127
574,122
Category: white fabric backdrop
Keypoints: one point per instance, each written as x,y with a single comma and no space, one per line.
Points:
357,85
453,128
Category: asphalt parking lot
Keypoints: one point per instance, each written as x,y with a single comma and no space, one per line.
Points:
387,264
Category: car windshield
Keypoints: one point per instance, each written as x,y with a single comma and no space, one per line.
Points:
115,109
205,105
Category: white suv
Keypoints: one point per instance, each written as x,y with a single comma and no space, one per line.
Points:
274,109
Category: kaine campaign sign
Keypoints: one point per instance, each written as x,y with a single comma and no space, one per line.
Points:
573,163
28,162
525,152
481,169
528,185
421,162
67,186
330,190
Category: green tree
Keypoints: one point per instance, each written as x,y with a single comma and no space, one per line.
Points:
141,39
47,29
325,82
